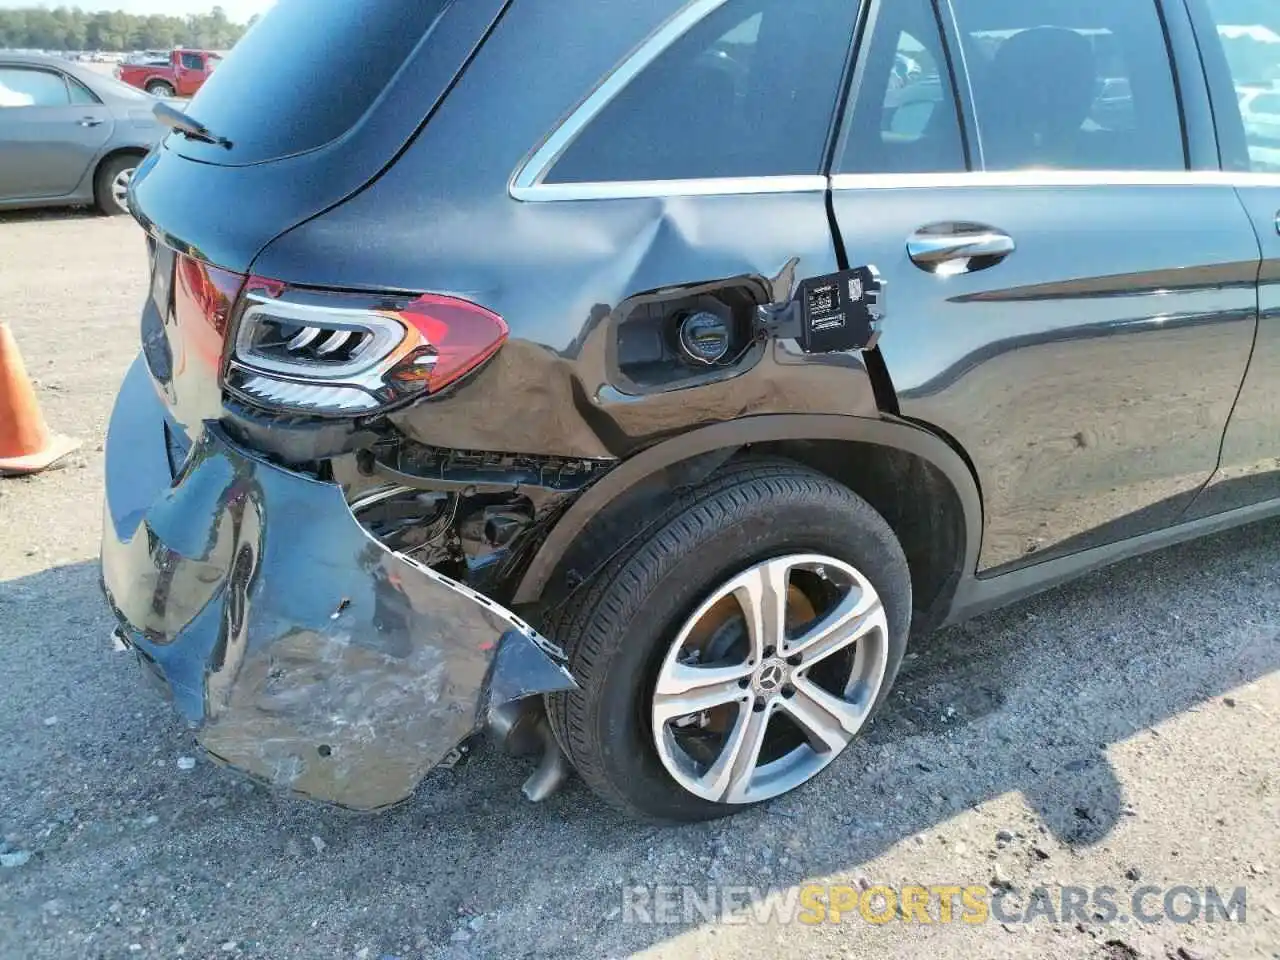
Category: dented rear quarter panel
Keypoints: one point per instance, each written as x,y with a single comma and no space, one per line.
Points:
443,219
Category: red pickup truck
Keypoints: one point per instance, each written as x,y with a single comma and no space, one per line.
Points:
181,76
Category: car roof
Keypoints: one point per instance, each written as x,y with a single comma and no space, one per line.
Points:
32,59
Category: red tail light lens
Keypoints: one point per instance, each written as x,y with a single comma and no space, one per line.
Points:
203,299
210,291
337,354
457,336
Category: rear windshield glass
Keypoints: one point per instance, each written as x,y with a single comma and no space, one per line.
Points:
307,72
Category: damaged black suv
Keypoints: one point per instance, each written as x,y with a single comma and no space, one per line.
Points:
631,379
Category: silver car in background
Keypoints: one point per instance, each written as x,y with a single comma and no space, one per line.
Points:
69,136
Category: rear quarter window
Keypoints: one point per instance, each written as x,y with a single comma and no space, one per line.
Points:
749,91
307,72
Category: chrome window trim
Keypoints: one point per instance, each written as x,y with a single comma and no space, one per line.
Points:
979,159
651,189
1053,178
1246,180
737,186
527,183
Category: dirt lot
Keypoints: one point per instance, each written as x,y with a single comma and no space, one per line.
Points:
1120,732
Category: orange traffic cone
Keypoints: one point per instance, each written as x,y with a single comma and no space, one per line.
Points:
26,445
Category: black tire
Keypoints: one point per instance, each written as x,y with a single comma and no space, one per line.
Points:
159,88
104,197
617,629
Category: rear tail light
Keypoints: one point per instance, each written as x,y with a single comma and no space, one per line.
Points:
203,299
208,292
338,354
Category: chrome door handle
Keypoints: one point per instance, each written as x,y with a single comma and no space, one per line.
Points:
90,122
954,248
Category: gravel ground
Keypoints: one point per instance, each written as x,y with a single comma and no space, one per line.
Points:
1121,731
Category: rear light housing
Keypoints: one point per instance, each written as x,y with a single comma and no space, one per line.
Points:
205,295
326,354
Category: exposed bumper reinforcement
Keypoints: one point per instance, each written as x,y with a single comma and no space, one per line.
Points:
304,652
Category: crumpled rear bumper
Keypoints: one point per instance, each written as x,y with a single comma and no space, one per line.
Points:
304,652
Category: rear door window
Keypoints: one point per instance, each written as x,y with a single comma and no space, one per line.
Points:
24,87
80,94
1249,31
905,118
750,91
1072,84
1267,105
307,72
193,61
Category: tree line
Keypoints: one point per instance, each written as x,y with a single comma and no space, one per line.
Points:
70,28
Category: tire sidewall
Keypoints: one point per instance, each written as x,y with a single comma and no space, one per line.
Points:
107,173
653,621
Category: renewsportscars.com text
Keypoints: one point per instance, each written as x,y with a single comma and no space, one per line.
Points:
816,904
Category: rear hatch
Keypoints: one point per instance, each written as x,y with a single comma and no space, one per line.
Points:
313,104
306,74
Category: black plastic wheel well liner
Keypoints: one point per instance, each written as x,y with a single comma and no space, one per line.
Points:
814,439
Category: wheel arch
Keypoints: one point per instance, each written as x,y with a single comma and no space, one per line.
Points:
113,153
91,188
824,442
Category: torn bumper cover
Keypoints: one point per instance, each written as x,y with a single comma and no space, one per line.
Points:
304,652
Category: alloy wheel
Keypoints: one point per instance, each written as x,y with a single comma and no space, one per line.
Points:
120,188
770,679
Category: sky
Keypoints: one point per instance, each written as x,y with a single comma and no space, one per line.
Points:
237,10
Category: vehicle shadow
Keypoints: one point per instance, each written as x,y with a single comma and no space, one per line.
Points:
1028,700
48,213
